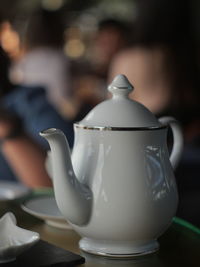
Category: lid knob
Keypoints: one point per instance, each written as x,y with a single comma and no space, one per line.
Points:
120,86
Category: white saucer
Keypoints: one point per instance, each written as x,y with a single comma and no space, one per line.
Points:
45,208
12,190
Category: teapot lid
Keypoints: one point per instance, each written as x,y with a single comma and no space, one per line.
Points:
120,111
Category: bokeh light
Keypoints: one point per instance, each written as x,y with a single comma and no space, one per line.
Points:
52,4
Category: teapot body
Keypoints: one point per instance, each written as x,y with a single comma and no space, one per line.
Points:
118,189
133,188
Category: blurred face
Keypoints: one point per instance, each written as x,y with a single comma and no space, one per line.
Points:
108,42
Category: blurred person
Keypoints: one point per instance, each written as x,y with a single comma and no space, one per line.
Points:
163,64
42,60
25,112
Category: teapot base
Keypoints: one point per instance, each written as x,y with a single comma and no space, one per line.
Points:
117,249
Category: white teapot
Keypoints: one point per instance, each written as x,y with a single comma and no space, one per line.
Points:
117,189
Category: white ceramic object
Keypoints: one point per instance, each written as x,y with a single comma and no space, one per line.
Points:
12,190
45,208
119,190
13,239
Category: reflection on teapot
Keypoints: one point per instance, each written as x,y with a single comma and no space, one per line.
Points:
118,188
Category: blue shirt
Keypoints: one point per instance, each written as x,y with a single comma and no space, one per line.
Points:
36,113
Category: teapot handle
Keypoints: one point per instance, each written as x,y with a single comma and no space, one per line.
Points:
178,142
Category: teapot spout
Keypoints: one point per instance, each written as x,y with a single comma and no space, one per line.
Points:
73,198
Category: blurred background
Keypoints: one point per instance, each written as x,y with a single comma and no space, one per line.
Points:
75,48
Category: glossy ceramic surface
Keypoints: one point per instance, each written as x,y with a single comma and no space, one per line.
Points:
138,202
118,189
14,240
120,111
